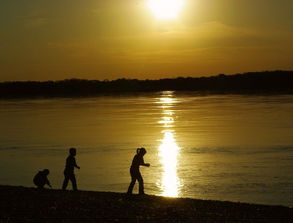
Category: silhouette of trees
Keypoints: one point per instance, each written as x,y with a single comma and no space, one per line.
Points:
254,82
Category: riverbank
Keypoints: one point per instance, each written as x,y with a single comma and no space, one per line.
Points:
267,82
20,204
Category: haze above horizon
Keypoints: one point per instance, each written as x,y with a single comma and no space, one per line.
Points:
97,39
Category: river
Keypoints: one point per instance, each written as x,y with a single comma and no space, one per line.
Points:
219,147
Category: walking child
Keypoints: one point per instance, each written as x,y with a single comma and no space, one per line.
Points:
69,170
134,170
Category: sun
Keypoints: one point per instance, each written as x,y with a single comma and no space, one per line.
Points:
166,9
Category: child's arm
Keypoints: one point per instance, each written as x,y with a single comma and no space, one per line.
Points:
143,163
48,183
76,164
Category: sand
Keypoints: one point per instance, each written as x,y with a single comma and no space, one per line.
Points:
21,204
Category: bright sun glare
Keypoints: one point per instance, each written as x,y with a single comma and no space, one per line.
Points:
166,9
168,150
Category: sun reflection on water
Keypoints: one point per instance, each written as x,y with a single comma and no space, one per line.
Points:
168,150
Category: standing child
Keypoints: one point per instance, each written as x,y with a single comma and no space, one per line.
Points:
134,170
69,170
41,179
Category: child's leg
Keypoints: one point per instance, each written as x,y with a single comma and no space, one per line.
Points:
133,179
40,186
65,182
131,185
140,181
73,181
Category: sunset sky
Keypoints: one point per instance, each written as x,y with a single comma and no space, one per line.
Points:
110,39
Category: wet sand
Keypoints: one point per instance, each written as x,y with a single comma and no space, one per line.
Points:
20,204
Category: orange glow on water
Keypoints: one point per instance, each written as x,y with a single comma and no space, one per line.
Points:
168,150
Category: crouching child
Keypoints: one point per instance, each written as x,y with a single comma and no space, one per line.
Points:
41,179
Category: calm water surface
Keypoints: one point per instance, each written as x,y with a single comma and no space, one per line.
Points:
222,147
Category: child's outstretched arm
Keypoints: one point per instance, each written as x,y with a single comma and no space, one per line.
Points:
78,167
144,164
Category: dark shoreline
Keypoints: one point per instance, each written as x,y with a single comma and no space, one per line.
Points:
268,82
21,204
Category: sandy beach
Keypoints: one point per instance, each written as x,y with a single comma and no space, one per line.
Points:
20,204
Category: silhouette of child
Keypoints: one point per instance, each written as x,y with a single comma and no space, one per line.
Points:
41,179
69,170
134,170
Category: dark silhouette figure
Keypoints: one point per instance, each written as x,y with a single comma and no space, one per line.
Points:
134,170
41,179
69,170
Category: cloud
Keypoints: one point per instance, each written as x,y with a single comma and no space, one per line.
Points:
34,18
35,21
211,41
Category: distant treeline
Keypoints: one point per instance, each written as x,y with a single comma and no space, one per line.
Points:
257,82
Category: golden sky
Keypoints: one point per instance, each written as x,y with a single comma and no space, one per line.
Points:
109,39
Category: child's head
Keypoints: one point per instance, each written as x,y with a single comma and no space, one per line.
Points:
141,151
72,151
46,172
